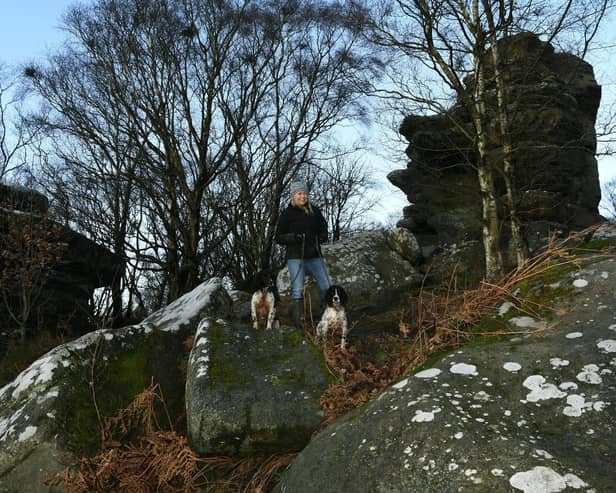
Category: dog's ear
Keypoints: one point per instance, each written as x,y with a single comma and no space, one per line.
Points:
344,297
329,294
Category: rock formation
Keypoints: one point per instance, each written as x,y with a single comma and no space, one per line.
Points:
375,267
48,415
66,290
554,100
252,392
523,414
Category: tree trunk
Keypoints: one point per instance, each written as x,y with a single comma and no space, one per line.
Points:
519,241
485,174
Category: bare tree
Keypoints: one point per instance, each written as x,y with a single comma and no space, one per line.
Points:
341,189
609,196
30,247
14,136
187,120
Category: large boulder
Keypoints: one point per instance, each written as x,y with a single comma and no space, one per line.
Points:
48,415
524,414
252,392
553,102
375,267
61,293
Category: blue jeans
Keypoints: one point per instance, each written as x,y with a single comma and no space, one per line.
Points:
297,271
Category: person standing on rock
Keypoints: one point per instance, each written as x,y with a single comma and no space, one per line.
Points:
301,229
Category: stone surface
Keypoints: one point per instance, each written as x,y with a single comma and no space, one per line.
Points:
62,301
252,392
48,414
374,267
529,413
13,197
554,102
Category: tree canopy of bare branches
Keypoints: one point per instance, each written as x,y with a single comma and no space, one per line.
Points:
180,123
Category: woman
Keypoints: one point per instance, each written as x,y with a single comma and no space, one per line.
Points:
302,228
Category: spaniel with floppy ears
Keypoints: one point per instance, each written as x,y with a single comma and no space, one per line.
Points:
334,316
264,300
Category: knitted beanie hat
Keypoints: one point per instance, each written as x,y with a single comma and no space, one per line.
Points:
298,186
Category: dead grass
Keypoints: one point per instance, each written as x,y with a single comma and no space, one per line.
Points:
139,456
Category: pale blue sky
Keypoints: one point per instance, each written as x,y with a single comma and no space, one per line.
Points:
28,28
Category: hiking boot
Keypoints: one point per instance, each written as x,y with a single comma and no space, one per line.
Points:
297,310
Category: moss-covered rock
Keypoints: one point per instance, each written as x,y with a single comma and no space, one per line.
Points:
252,392
51,414
527,412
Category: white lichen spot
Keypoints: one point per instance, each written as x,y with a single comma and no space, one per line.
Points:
497,472
574,482
27,433
590,374
599,405
542,479
575,407
557,362
574,335
504,308
463,369
540,390
568,386
481,396
401,384
580,283
543,453
528,322
512,366
423,416
608,345
452,466
459,435
429,373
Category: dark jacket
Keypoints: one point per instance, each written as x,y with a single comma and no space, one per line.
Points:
301,233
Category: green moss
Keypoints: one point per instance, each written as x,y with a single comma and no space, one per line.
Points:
545,289
222,369
116,384
433,360
292,338
296,377
596,244
225,373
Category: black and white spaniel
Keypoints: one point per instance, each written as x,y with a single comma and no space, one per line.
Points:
334,317
264,300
